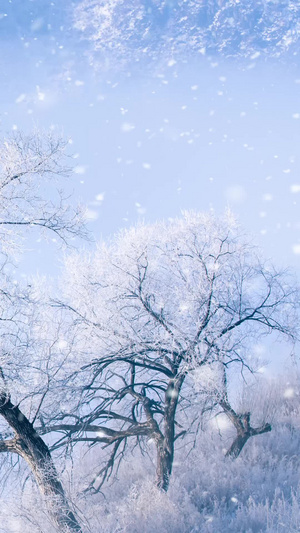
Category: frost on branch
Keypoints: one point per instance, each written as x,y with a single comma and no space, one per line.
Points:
134,30
159,308
31,169
30,197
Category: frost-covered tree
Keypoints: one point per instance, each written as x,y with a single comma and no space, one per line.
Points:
159,308
135,30
31,168
30,359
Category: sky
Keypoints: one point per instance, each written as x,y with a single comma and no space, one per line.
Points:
161,131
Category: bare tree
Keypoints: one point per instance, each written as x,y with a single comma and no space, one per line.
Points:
32,168
151,309
30,196
29,445
212,387
243,428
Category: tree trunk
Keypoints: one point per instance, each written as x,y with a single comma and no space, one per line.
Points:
243,428
165,457
237,445
243,436
30,446
165,445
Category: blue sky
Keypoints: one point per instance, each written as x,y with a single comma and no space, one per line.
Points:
151,140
